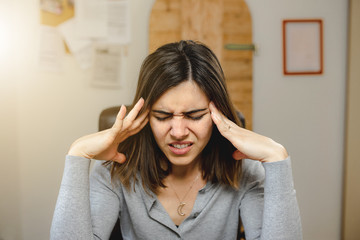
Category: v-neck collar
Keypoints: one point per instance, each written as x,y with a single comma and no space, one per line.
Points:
157,212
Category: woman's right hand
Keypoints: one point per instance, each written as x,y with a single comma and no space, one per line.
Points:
103,145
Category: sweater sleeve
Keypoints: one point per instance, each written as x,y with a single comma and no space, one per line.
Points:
269,209
85,209
281,219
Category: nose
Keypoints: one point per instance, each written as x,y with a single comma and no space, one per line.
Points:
179,128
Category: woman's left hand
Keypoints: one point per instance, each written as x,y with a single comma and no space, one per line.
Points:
249,144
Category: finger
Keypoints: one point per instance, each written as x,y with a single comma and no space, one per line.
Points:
222,122
213,113
138,124
139,121
129,126
119,118
138,128
141,118
216,115
135,111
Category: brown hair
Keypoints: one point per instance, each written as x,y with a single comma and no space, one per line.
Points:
167,67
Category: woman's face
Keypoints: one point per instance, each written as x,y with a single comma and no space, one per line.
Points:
181,123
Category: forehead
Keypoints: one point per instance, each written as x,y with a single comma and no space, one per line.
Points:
184,97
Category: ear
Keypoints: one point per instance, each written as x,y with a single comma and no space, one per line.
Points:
237,155
120,158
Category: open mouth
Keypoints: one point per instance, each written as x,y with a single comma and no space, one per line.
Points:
181,146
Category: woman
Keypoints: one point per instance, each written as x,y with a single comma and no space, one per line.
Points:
178,166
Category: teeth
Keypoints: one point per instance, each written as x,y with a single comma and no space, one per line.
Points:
180,146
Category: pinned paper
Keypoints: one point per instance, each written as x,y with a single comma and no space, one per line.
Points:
97,37
118,21
51,49
52,6
91,18
81,48
109,66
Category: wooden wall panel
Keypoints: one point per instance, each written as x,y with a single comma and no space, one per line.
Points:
165,23
215,23
203,21
351,197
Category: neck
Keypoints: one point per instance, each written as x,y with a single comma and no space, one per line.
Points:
185,172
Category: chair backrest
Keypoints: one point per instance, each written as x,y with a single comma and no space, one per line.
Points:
107,117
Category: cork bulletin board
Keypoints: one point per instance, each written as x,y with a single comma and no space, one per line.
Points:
53,14
216,23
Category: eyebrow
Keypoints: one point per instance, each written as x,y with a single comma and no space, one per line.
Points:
185,113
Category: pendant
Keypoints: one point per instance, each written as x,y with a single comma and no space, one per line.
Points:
179,209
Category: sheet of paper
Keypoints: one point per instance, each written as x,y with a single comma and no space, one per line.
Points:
91,18
108,66
81,48
118,20
51,49
72,39
85,57
52,6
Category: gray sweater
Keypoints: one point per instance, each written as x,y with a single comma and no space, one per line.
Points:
87,208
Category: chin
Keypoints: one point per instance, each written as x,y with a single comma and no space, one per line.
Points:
181,160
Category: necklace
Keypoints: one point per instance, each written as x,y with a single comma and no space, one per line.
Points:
181,202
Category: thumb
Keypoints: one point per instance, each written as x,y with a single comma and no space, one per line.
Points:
119,157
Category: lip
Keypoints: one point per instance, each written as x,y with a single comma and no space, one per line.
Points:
180,151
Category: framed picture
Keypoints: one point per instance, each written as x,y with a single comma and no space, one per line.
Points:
302,46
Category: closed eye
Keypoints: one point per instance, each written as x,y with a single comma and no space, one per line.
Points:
195,117
161,115
191,115
162,118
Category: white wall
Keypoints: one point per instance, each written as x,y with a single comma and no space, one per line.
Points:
42,113
305,113
9,166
